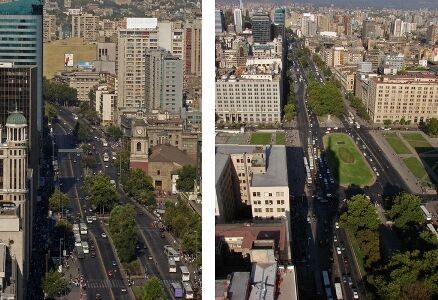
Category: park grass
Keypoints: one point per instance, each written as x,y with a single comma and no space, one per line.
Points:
418,142
261,138
53,53
138,292
397,144
346,162
415,166
280,138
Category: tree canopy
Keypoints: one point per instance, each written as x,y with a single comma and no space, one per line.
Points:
406,211
432,127
325,99
153,290
360,214
123,231
136,181
50,110
102,193
54,284
81,131
60,93
114,133
186,178
58,200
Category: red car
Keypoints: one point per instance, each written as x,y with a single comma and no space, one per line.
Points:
110,273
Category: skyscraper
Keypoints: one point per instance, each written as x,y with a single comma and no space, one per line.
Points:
219,20
279,21
397,29
139,35
238,20
163,81
261,27
192,47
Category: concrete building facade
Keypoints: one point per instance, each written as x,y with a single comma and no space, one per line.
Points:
261,27
85,26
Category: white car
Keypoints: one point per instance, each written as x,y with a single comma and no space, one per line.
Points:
377,174
337,225
338,250
374,168
355,295
103,234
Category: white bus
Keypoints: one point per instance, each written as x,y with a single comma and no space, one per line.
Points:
185,274
172,265
427,214
105,157
84,229
170,252
78,240
85,247
338,290
325,278
104,143
188,290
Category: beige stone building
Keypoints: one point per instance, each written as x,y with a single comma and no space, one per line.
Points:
49,28
346,75
83,82
260,177
85,26
413,97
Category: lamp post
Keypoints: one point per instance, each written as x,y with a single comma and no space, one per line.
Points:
60,261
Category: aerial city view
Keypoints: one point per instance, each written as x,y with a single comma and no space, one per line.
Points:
100,149
326,149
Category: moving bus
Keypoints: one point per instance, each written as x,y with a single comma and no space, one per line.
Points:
185,274
170,252
84,229
188,290
325,278
427,214
177,289
338,289
172,265
85,247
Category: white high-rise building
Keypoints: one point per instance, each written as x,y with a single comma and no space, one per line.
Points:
139,35
398,28
238,20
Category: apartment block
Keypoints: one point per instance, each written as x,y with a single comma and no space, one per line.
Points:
252,97
105,104
49,28
432,34
192,48
139,35
413,97
260,176
85,26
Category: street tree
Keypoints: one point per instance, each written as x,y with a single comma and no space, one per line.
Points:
153,290
102,193
406,211
114,133
186,178
123,231
54,284
432,127
122,160
387,122
58,200
50,111
81,131
369,246
147,197
136,181
289,111
60,93
360,214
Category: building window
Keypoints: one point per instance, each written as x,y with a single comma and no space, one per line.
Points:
158,172
138,146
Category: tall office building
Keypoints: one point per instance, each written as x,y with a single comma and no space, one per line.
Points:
432,34
21,41
261,27
238,26
49,28
279,21
139,35
397,29
219,20
163,81
192,47
84,26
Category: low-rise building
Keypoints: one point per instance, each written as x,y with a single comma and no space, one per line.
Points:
345,75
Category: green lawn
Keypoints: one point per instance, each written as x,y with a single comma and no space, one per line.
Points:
418,142
397,144
261,138
415,166
280,138
346,162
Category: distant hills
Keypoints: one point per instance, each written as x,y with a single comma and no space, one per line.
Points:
402,4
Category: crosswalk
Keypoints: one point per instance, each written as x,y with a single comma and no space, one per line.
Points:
168,282
108,283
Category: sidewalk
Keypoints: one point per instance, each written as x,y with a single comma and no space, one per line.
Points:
398,164
72,275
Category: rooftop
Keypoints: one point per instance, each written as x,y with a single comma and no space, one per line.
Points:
276,172
263,277
287,286
166,153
